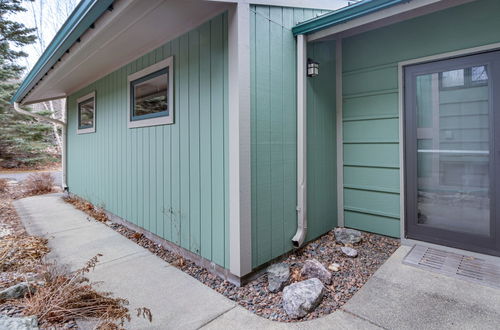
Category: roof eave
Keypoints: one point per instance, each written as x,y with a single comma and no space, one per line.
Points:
80,20
343,15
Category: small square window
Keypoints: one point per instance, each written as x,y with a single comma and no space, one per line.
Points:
150,95
454,78
86,113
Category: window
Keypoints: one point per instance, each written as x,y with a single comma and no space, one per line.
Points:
464,78
150,95
86,113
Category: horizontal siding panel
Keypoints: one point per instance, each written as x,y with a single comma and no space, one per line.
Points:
372,202
372,223
372,155
384,130
371,106
372,178
370,81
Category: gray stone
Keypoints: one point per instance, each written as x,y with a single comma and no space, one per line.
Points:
314,269
347,236
277,276
18,323
16,291
350,252
302,297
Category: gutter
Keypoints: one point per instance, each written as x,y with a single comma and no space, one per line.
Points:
301,233
344,15
56,122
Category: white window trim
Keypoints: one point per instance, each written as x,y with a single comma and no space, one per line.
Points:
78,101
164,120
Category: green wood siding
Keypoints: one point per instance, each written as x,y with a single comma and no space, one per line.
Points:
321,142
171,180
370,104
274,129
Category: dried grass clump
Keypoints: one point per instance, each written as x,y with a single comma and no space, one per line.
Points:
21,252
38,184
87,207
67,296
4,186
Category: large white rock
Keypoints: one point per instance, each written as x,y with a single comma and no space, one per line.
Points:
18,323
302,297
16,291
314,269
277,276
347,236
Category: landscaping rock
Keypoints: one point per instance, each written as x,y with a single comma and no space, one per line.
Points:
302,297
15,292
350,252
277,276
18,323
347,236
314,269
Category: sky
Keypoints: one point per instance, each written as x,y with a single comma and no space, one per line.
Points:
48,16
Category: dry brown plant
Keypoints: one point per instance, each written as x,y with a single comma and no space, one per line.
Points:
38,184
4,186
66,296
87,207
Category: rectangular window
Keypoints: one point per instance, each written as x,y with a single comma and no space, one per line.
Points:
86,113
151,96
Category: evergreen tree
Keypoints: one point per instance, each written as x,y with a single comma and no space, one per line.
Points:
23,140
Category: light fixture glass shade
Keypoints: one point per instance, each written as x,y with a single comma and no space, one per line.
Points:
312,68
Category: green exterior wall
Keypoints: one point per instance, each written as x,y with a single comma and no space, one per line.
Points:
274,134
370,103
171,180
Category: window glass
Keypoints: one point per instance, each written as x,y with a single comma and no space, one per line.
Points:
86,113
454,78
150,95
479,74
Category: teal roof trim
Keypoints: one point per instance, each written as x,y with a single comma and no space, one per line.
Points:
80,20
343,15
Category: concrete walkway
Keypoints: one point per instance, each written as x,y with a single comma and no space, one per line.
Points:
396,297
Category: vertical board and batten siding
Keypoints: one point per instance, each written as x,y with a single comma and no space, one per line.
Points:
321,142
274,129
171,180
370,103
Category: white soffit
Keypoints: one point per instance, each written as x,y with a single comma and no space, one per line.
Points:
385,17
132,29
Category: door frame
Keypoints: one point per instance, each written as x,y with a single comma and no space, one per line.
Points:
401,104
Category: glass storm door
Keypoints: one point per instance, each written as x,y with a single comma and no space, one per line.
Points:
452,155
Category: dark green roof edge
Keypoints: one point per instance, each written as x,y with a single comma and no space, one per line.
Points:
343,15
80,20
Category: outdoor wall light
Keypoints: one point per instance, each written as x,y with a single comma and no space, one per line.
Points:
312,68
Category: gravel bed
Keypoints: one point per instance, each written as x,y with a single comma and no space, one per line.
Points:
373,251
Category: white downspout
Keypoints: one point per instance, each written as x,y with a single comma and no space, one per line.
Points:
300,235
54,121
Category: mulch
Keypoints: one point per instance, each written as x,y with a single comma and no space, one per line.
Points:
373,251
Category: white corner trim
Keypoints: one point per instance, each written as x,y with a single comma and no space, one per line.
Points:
240,216
78,101
340,136
401,65
164,120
